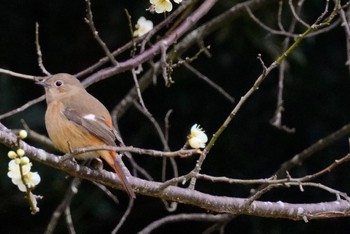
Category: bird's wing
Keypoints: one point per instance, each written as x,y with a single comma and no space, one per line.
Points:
94,124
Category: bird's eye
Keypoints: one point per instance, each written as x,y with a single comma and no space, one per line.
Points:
58,83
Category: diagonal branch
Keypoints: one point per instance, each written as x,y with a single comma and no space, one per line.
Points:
89,20
156,48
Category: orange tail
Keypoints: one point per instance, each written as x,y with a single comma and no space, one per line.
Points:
110,158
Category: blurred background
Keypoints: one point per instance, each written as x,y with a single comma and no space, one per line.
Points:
316,101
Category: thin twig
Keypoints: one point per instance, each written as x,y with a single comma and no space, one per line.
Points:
255,87
276,120
325,11
299,158
131,149
345,18
70,193
210,82
279,16
138,91
296,15
16,74
275,180
269,29
23,107
137,168
125,216
131,29
170,206
89,20
155,124
106,191
166,73
183,217
38,51
69,220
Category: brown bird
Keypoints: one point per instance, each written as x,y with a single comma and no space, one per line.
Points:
75,119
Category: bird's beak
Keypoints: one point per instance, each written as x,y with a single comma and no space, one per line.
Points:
41,81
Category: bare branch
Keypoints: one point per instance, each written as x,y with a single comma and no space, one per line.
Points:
105,190
138,91
269,29
183,217
89,20
299,158
295,14
69,220
144,39
38,51
16,74
210,82
156,126
345,23
131,149
70,193
22,108
125,216
279,16
156,48
232,205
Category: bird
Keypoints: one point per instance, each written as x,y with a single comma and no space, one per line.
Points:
76,119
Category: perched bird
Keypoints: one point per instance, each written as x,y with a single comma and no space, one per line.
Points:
75,119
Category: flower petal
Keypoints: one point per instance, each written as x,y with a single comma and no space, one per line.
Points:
161,6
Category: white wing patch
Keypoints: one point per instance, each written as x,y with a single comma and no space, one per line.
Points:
90,117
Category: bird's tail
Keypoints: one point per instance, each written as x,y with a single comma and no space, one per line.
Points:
111,158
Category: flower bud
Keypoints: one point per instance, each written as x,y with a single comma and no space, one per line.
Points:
23,134
17,161
12,154
25,160
20,152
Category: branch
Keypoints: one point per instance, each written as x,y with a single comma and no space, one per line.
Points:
131,149
156,48
16,74
320,23
299,158
184,217
144,39
22,108
38,51
232,205
89,20
187,42
62,207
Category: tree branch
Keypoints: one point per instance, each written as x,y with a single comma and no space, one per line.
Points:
232,205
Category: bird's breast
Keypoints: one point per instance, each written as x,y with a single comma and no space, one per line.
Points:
65,134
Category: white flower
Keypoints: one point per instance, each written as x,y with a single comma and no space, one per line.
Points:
197,137
14,170
31,179
177,1
143,26
161,6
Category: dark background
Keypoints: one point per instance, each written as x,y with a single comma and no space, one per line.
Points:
316,104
